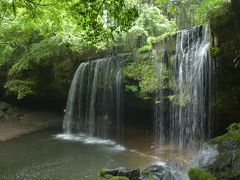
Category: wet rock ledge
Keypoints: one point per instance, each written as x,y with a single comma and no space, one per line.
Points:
154,172
220,157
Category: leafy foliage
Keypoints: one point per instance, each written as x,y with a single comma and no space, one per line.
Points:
35,53
188,13
204,10
150,27
215,51
21,88
89,15
152,23
118,16
145,49
143,73
34,31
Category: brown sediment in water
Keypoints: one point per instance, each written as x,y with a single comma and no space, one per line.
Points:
142,141
172,154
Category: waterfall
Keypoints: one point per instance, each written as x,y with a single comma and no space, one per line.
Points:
183,114
94,105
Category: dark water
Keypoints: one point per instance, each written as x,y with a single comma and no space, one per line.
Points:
42,156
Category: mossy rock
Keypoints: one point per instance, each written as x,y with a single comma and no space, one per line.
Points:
223,159
225,32
104,176
145,49
120,173
228,38
119,178
200,174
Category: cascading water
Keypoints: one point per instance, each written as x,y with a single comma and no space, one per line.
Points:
183,107
94,105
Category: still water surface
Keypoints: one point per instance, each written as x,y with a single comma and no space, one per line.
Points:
44,155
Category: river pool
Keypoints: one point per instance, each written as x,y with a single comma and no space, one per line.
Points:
49,155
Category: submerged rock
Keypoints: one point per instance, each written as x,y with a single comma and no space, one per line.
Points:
157,172
121,172
169,176
207,155
154,172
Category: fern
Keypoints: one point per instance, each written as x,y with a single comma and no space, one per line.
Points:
21,88
215,51
5,52
237,59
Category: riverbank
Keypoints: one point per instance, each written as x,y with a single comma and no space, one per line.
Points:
16,121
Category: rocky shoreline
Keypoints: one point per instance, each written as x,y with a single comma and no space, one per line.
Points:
16,121
218,159
153,172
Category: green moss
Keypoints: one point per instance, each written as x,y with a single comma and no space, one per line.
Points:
140,77
145,49
151,41
233,134
119,178
228,38
200,174
132,88
229,148
102,174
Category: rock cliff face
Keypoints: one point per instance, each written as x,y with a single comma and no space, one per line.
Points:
225,29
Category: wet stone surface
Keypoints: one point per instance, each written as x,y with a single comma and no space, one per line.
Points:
153,172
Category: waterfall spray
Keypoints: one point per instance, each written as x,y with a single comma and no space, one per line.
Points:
183,113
